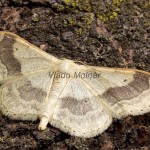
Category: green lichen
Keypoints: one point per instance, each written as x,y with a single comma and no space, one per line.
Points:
147,23
70,21
82,5
117,2
1,140
35,19
88,19
105,11
113,15
147,5
81,22
67,2
73,3
5,139
112,11
85,23
58,7
80,31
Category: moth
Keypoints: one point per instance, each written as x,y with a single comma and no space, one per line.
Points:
78,99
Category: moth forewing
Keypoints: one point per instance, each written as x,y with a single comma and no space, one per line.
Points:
125,91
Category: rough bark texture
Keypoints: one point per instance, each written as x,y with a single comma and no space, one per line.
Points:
112,33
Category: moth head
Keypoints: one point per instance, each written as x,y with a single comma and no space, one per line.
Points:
67,65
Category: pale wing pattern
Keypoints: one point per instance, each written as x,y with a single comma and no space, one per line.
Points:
124,91
23,98
18,57
80,112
